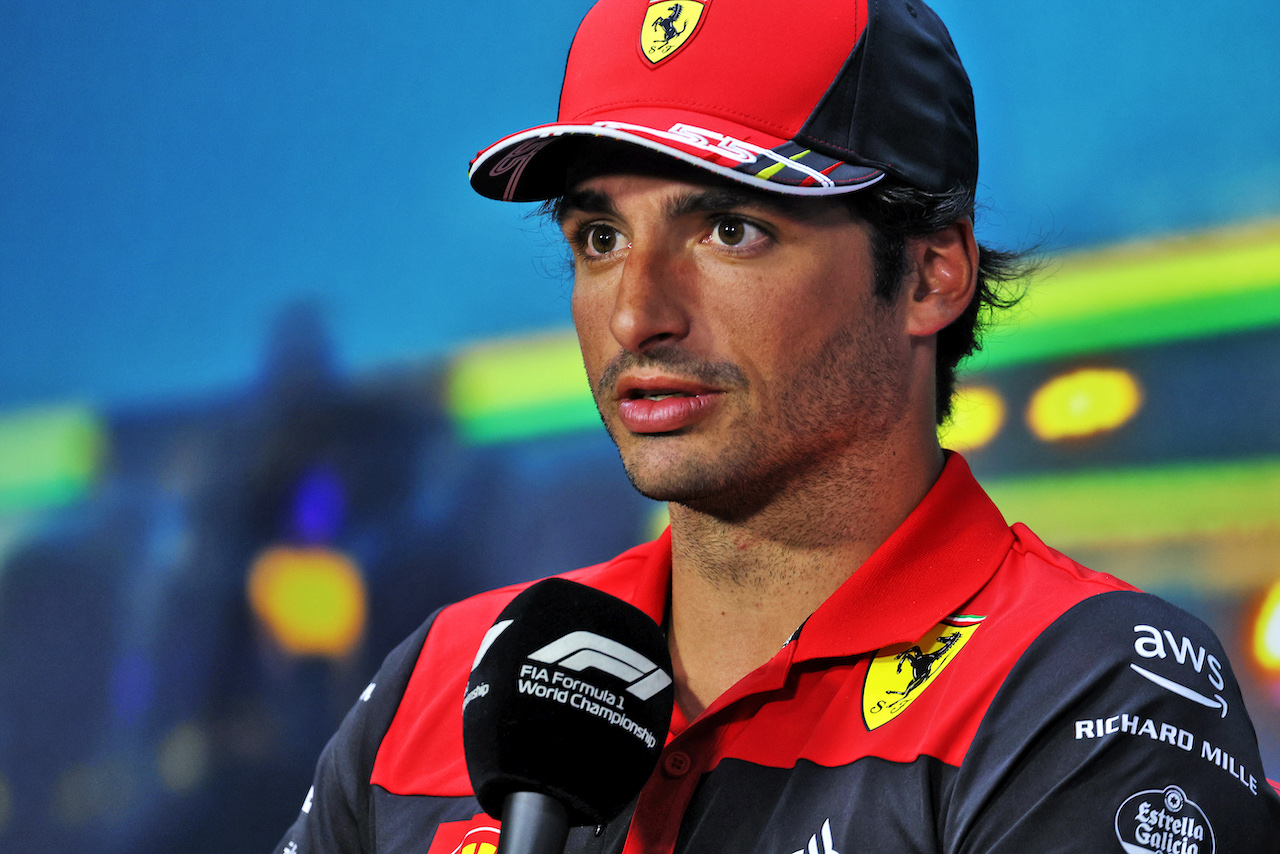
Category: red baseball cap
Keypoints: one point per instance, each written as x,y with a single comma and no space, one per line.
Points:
806,97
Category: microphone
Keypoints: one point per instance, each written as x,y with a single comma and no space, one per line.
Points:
566,712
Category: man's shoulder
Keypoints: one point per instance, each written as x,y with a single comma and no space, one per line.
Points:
1105,698
1044,565
1054,625
1034,587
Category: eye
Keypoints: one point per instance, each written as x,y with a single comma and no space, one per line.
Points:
601,239
736,232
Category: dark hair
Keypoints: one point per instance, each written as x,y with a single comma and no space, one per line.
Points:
897,212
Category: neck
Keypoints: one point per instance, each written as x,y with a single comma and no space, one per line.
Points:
742,585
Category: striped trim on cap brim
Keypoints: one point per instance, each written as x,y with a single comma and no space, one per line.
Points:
789,168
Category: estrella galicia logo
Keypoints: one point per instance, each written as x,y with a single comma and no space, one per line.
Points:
668,26
1163,821
580,650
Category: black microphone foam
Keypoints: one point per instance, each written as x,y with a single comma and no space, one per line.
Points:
570,696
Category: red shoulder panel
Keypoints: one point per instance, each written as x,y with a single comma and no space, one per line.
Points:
422,751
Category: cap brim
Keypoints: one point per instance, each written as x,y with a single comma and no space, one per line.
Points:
533,165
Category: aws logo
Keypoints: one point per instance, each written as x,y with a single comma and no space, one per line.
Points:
1151,644
899,674
668,26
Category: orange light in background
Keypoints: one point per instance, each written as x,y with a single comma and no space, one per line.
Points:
1083,403
977,414
1266,631
311,599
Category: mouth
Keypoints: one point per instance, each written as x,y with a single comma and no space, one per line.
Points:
657,387
640,394
663,405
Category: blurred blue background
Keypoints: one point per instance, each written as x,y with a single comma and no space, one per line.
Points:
277,384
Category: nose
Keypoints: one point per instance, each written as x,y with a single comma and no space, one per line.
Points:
651,305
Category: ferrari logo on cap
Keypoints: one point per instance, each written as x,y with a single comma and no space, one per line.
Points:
668,25
901,673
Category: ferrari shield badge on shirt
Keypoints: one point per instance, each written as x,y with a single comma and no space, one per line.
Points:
668,25
899,674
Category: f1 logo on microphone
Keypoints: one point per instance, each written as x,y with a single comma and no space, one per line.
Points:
580,650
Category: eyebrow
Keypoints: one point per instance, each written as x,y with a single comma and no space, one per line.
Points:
693,201
728,198
583,201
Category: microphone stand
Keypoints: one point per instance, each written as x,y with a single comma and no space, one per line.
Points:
533,823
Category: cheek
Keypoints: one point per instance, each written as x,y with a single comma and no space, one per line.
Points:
780,317
591,321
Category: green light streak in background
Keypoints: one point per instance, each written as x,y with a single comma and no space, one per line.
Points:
520,389
48,457
1176,502
1189,287
1173,290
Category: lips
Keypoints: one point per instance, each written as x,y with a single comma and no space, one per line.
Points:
658,405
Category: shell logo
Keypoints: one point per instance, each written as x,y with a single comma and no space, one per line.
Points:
479,840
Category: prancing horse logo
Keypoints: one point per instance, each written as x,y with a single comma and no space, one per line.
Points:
922,663
668,26
898,675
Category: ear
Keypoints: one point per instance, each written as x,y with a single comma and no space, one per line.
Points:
944,274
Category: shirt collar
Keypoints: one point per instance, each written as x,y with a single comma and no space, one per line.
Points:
938,558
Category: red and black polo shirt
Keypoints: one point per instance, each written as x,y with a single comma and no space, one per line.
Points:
968,689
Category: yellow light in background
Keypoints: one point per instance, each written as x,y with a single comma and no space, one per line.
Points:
977,414
311,599
1266,631
1083,403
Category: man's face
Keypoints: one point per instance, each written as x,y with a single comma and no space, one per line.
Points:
732,339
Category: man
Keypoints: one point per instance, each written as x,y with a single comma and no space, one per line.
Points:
769,208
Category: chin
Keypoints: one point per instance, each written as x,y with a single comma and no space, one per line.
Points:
724,490
679,480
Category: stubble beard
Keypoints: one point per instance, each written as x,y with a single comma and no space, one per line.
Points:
842,400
